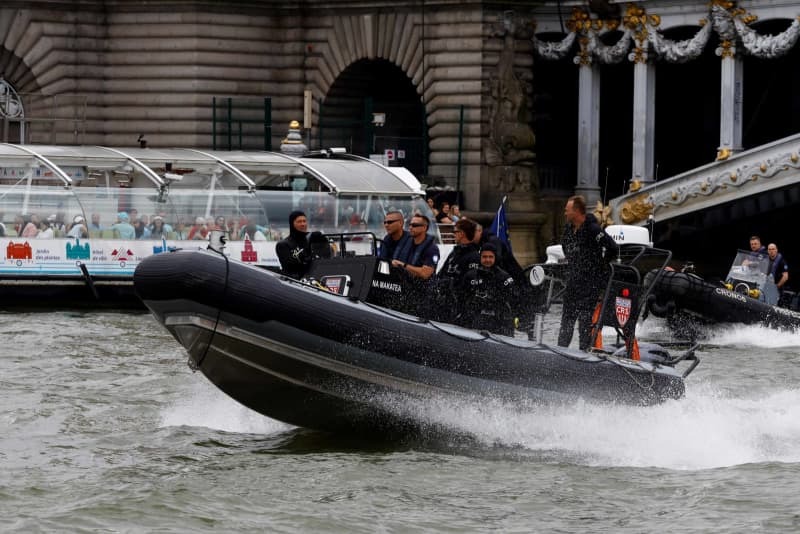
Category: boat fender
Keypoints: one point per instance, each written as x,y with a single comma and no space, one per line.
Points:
659,309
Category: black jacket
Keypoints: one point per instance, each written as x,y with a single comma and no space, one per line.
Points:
588,250
489,295
294,253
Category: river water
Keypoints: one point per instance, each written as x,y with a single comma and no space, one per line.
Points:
103,427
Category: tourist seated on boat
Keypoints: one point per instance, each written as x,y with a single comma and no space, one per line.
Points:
253,233
27,225
45,230
78,229
56,222
199,230
488,296
443,217
167,226
123,228
220,224
140,228
94,225
432,205
294,252
157,228
455,213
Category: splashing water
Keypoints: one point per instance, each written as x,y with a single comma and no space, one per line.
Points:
204,405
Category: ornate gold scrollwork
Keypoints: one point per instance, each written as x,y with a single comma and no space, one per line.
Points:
734,177
603,214
723,154
636,209
635,186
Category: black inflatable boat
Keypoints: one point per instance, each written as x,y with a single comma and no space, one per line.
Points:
747,295
312,357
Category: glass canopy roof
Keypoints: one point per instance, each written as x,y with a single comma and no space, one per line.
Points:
336,173
339,192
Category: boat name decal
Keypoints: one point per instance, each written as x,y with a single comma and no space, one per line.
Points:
730,294
390,286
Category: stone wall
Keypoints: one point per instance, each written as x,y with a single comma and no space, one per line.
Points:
110,71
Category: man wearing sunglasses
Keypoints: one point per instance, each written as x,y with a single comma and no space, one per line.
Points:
419,256
395,237
417,259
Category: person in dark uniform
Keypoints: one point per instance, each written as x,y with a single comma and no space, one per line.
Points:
490,292
463,258
395,237
417,259
778,267
294,252
419,255
588,249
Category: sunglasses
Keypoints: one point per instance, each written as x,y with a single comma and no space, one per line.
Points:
391,221
416,225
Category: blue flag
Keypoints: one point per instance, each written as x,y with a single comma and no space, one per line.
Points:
500,225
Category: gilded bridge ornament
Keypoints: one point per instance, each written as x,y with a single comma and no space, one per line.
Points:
641,33
511,140
736,173
636,209
603,214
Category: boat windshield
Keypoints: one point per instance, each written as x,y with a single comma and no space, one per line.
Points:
750,267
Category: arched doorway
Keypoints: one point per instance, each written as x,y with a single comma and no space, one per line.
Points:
371,86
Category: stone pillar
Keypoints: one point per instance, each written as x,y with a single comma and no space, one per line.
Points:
644,102
731,85
588,133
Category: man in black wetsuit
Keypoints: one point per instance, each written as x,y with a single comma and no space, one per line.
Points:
463,258
490,292
294,252
588,249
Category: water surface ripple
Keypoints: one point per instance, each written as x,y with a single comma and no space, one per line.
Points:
103,427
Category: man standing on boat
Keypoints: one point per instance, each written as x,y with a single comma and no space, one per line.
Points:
777,267
294,252
588,249
396,237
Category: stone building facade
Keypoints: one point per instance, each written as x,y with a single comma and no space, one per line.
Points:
104,72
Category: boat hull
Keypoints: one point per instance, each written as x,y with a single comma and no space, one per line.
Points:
309,358
677,292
